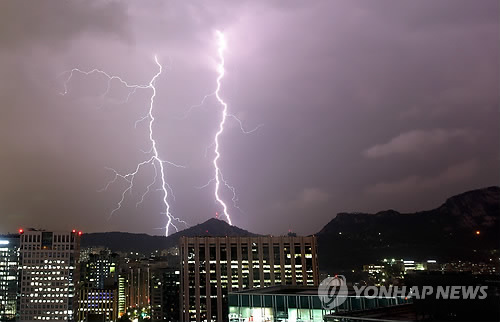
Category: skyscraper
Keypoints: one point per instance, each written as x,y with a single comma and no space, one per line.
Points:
9,257
49,275
99,270
165,282
101,304
212,266
138,280
98,294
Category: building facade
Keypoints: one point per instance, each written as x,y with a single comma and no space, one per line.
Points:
98,294
122,294
99,270
49,275
138,282
97,303
213,266
165,283
9,257
300,303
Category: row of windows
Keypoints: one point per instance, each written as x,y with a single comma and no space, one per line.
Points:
47,318
37,238
64,252
28,307
253,255
48,284
45,291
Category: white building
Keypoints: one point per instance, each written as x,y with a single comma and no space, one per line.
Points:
49,275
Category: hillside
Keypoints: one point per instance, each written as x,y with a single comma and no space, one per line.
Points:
353,239
143,243
465,227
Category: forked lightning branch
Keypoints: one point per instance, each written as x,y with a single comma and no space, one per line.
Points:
153,158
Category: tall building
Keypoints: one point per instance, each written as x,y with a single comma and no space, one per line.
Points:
49,275
101,304
9,257
213,266
165,284
138,280
122,294
99,269
98,294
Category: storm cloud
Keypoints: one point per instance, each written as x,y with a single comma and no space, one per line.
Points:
365,106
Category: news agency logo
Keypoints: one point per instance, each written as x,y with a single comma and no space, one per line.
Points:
332,291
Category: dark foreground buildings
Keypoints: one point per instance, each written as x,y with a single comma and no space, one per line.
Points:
165,282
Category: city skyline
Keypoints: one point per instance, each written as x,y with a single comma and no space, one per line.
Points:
365,107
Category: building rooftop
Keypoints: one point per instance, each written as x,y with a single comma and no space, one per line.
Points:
282,290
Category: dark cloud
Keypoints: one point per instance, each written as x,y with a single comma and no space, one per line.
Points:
418,142
408,186
57,23
365,106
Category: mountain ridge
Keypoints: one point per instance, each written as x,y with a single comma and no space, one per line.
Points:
352,239
144,243
465,226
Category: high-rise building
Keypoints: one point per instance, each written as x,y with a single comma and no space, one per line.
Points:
122,294
98,294
9,258
101,304
138,280
213,266
134,281
99,270
49,275
165,286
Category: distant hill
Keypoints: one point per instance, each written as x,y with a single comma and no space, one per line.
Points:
143,243
125,242
447,232
353,239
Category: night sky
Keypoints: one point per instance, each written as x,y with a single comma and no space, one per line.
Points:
365,106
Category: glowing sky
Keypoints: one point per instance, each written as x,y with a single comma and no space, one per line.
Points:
366,105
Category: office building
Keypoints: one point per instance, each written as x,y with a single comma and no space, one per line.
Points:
213,266
99,270
49,275
138,282
9,257
122,294
98,294
97,304
165,287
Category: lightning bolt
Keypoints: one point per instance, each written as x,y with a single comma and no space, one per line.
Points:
218,177
154,160
218,173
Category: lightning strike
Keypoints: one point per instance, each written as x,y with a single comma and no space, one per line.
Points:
218,173
154,160
218,178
